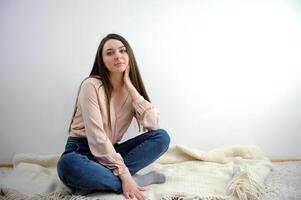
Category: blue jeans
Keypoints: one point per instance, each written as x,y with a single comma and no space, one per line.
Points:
78,168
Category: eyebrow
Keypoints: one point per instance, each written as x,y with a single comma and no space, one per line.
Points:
110,49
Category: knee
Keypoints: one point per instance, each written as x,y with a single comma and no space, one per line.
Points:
66,167
163,139
64,162
61,169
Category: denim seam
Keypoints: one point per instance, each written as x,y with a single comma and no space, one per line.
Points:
130,155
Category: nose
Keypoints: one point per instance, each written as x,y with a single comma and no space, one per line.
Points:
117,55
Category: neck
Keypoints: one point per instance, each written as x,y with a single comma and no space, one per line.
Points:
116,80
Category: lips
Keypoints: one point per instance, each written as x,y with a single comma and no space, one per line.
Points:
118,64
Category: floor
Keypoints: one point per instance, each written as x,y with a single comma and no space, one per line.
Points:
284,182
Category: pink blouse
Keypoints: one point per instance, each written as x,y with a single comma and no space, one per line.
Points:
91,121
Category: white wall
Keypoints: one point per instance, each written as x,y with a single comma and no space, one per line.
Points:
220,73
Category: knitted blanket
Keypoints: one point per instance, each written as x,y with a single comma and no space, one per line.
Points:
234,172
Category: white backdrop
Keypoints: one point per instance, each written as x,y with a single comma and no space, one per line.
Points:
219,73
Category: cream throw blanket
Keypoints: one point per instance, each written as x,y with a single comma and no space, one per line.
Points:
234,172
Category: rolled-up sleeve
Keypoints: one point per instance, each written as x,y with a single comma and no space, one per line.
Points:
146,114
99,143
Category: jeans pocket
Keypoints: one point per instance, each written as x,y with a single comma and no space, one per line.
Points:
71,147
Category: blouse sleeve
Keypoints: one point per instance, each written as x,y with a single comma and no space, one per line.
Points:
146,114
99,143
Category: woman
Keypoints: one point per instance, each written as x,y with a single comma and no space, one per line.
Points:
106,103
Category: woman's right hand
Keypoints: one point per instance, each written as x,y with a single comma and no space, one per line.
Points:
131,189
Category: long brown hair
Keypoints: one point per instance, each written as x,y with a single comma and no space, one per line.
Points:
100,72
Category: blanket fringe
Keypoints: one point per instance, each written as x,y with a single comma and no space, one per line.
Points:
189,197
11,194
245,186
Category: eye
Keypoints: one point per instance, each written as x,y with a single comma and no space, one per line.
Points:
122,50
109,53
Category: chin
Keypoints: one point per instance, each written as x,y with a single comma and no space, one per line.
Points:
123,69
120,70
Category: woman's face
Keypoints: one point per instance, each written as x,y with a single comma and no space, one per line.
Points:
115,56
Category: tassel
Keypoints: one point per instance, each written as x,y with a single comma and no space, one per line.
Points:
245,186
189,197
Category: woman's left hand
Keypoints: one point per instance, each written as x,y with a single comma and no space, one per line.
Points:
126,78
129,85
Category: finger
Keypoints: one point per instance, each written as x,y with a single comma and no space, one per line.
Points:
142,189
139,196
127,196
132,195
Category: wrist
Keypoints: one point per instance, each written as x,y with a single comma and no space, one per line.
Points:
129,85
125,176
133,91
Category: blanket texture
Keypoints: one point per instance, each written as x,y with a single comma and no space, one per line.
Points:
233,172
